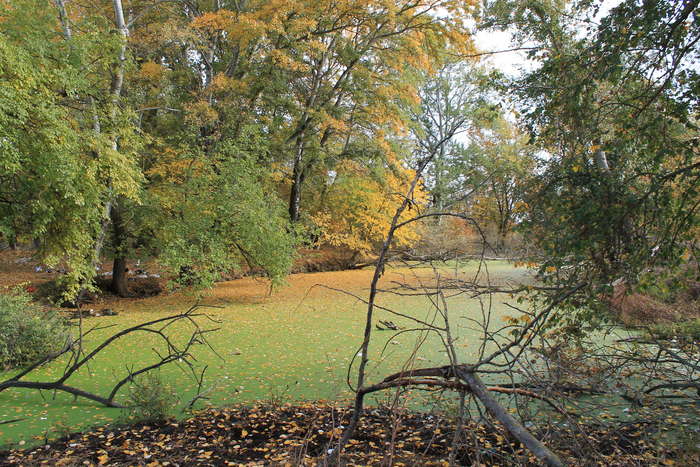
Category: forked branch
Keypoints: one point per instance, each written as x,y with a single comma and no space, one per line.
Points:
174,352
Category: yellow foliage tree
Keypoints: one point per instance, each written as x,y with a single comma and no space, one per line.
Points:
358,207
318,72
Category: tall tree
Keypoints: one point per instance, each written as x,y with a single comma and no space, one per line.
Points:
114,206
505,163
616,108
362,70
455,101
70,69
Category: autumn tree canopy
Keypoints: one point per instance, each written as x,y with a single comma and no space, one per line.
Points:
221,134
211,134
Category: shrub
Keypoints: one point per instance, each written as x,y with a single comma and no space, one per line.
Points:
684,331
27,332
150,399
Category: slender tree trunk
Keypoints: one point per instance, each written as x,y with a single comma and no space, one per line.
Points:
124,32
115,92
503,229
119,277
297,180
437,196
63,16
298,169
501,242
625,231
601,161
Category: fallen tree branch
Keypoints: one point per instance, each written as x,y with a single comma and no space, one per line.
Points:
14,420
457,386
682,385
74,347
513,426
56,386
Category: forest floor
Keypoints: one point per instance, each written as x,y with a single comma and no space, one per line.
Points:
300,435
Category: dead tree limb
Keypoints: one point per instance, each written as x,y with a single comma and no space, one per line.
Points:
467,380
513,426
78,359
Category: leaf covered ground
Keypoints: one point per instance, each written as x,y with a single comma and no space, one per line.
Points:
299,435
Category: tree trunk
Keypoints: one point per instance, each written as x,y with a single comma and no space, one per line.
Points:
297,179
119,283
63,16
100,240
437,196
119,278
501,243
601,161
502,235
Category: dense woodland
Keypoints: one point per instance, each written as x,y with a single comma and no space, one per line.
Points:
209,137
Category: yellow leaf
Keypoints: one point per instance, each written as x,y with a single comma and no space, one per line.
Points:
103,459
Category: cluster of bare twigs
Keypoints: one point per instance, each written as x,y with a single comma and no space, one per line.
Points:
530,360
542,369
78,357
457,375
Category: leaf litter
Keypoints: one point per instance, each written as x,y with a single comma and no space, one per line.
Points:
299,434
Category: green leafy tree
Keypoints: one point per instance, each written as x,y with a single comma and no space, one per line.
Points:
505,163
209,219
55,165
616,108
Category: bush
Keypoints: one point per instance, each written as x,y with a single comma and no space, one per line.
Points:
685,331
27,332
150,398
